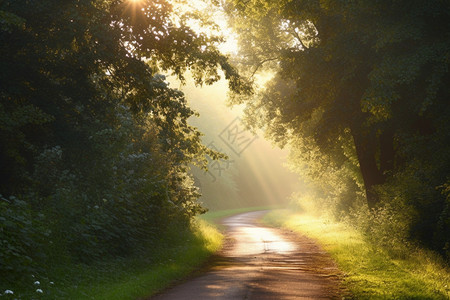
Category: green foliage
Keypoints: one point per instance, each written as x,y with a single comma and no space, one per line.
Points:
335,185
22,233
422,207
388,227
9,21
177,252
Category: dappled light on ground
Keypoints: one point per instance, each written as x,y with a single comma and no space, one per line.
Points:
258,262
252,239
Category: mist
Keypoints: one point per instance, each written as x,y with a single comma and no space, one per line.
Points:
254,173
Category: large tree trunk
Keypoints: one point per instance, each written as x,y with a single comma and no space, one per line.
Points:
365,144
387,151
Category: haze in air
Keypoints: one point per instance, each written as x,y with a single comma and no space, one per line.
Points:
255,173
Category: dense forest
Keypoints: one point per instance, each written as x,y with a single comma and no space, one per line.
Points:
360,92
95,146
94,143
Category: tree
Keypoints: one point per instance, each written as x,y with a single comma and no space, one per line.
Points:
55,56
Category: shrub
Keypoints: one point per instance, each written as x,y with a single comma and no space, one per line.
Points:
22,233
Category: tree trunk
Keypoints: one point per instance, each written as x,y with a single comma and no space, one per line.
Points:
365,144
387,152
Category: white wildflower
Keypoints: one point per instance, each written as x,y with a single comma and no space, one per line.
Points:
9,292
39,291
51,282
37,282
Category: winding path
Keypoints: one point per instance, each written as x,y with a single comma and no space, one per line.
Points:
259,262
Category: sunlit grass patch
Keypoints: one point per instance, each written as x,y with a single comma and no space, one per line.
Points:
369,271
209,235
213,216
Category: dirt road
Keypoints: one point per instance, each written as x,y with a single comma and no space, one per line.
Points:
258,262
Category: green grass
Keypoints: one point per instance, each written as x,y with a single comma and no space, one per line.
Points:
369,271
176,256
214,216
174,262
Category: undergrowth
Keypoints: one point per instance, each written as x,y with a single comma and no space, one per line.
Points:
174,256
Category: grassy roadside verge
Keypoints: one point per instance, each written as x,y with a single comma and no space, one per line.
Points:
214,216
369,272
179,253
169,262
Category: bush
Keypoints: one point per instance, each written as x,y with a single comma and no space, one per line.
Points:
22,233
387,227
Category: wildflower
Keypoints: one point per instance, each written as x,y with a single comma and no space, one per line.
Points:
37,282
9,292
51,282
39,291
